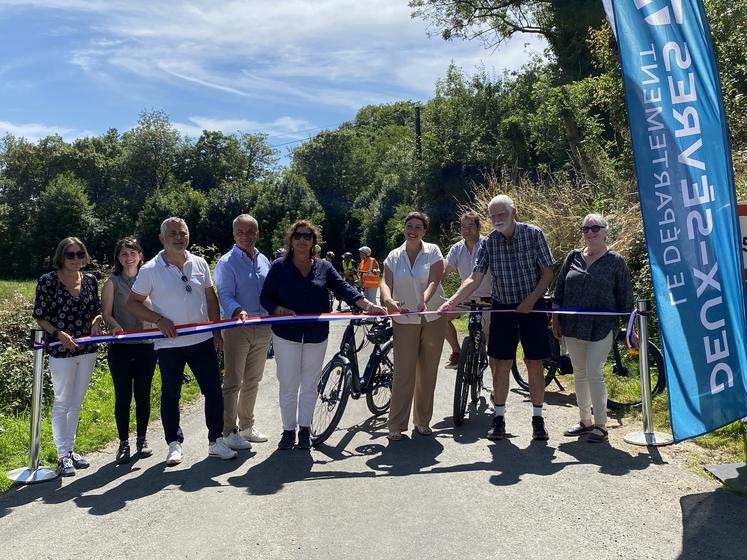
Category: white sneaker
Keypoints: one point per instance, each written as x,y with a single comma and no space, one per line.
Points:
174,456
220,450
253,435
233,441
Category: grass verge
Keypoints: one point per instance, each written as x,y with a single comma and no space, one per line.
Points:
96,428
24,287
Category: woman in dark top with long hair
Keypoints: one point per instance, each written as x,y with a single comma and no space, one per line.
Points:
131,363
67,307
298,283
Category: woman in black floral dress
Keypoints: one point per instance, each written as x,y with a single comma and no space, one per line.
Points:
67,307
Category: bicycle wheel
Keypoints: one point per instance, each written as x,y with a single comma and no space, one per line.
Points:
333,392
550,370
463,378
623,378
380,395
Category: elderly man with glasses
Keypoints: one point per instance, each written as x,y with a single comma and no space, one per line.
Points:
180,290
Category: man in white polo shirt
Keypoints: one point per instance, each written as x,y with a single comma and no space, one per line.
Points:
461,258
181,291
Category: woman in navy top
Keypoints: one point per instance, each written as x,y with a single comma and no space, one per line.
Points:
298,284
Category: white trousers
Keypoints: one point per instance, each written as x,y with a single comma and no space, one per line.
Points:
299,368
70,379
588,360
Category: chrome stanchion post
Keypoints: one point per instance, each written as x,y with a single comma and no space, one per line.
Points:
34,473
647,436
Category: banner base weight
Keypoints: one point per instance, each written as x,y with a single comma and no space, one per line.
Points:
29,476
646,439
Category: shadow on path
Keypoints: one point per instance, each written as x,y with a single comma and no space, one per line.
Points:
713,525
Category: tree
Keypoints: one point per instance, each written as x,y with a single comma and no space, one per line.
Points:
63,210
150,151
283,199
175,200
223,205
564,23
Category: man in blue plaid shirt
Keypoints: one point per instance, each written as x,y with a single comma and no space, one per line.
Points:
520,261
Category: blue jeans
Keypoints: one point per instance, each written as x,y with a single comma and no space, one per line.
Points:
203,362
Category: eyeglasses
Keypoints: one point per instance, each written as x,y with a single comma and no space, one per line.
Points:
70,255
187,286
592,229
298,235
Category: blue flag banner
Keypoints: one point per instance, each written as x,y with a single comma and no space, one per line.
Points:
686,187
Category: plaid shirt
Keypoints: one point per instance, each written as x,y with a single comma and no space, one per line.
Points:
515,263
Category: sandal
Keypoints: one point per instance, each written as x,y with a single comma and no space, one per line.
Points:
578,429
424,430
394,436
597,435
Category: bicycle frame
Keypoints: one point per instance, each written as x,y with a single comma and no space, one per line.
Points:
359,384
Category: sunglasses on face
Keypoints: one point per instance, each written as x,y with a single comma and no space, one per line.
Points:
592,229
298,235
186,284
70,255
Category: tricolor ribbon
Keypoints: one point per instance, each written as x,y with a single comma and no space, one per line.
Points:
210,326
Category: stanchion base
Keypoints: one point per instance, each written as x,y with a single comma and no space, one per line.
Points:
646,439
29,476
733,475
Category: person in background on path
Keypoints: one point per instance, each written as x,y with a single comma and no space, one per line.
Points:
67,306
368,270
520,261
131,363
412,282
349,273
594,277
239,277
298,284
461,258
329,257
317,251
181,291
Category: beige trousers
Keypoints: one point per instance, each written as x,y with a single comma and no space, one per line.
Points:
417,353
245,353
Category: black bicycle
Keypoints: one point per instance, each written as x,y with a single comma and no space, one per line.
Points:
621,371
473,361
341,376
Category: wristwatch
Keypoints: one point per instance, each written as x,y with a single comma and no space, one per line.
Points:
54,334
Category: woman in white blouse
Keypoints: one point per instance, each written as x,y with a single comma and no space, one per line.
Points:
412,282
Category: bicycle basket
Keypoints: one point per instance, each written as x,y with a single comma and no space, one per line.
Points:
379,333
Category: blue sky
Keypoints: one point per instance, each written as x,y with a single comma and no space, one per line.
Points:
287,68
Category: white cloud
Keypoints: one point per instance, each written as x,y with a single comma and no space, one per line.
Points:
283,127
335,52
36,131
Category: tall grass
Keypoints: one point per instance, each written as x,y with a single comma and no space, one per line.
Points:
10,287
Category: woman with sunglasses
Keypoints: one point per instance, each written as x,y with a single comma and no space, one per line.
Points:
298,284
594,277
131,363
67,307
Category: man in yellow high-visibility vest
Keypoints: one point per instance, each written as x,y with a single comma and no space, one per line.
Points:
368,269
349,273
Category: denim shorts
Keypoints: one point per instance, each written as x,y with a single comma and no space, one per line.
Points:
507,329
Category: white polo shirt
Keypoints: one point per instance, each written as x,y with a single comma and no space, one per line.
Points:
162,283
463,261
410,282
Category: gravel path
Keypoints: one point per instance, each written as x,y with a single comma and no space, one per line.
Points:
454,495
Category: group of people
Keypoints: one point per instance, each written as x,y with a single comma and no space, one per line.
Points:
511,266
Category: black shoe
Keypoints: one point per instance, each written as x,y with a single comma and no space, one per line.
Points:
538,429
304,438
288,440
143,449
498,431
65,466
78,461
123,453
